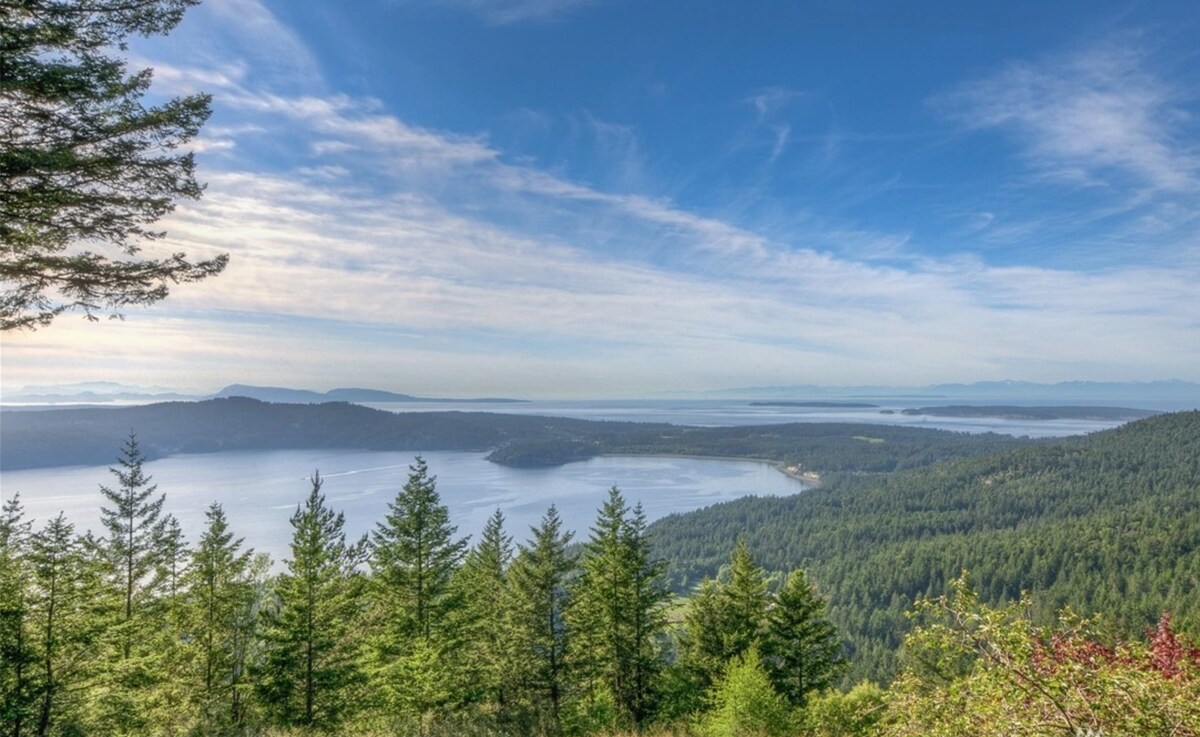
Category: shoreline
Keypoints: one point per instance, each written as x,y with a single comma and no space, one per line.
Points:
810,479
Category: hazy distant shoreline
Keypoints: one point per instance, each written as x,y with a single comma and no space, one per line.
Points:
1032,413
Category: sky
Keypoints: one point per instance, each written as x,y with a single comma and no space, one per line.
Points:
619,198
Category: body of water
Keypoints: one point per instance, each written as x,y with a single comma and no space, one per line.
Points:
260,490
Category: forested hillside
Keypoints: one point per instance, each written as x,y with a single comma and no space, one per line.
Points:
1106,523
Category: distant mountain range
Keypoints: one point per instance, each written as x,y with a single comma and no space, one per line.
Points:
352,394
103,392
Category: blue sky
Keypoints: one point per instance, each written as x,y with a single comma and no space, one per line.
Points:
557,198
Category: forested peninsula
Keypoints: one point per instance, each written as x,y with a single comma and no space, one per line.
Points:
1011,412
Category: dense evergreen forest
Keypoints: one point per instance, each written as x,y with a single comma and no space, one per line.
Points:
132,629
1106,523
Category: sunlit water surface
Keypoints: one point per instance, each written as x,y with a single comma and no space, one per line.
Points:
260,490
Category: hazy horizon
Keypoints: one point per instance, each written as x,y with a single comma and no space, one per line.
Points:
1176,393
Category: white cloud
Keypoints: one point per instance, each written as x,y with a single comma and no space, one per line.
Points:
276,52
782,133
770,100
1086,118
347,124
207,144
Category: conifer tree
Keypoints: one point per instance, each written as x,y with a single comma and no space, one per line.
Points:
135,526
311,671
535,605
744,602
173,555
248,643
172,690
701,642
414,554
16,654
479,587
68,602
649,597
414,557
726,617
801,648
85,167
616,611
744,703
141,647
220,592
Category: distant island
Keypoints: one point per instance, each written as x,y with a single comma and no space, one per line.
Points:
815,405
1007,412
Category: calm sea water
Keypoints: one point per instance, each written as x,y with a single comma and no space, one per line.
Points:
260,490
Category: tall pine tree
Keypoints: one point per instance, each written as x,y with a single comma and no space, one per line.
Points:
800,647
534,608
220,593
173,556
744,602
139,639
69,606
616,612
414,556
478,585
648,620
311,671
135,528
725,618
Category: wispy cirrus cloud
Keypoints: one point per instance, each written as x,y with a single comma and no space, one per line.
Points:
504,12
769,100
1095,117
227,40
